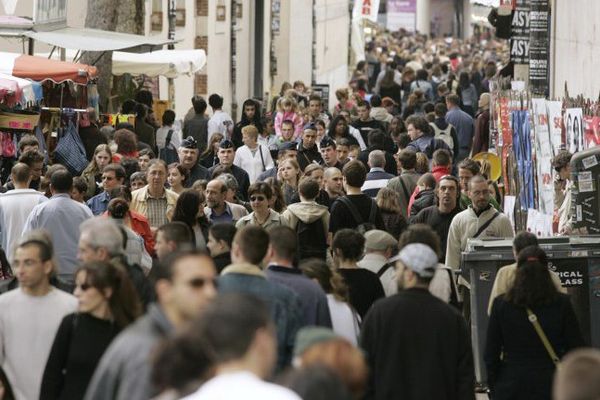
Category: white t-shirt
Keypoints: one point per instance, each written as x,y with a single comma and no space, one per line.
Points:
252,162
28,325
241,385
15,206
344,320
215,124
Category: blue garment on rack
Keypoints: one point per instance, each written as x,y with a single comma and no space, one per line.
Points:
522,148
38,91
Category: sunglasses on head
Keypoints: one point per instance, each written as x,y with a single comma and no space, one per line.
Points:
257,198
199,283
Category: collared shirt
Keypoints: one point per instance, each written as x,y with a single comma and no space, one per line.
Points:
273,220
157,210
225,217
99,203
61,216
15,206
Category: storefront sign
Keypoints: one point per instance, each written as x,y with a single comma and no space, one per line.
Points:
539,43
18,121
519,42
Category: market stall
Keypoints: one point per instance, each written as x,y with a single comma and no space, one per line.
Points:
167,63
41,69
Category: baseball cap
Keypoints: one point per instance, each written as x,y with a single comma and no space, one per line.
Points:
309,125
376,239
418,257
189,143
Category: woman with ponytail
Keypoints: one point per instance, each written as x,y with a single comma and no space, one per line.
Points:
107,304
531,327
344,319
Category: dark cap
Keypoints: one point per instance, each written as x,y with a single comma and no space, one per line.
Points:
189,143
327,141
309,125
226,144
287,146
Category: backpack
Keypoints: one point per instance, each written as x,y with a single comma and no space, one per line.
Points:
435,144
168,153
444,134
312,238
362,226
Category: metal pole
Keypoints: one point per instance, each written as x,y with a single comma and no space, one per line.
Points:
172,17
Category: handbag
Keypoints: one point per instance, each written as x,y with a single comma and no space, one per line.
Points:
7,145
70,151
168,153
538,328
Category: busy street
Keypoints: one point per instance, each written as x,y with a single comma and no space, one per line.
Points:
299,200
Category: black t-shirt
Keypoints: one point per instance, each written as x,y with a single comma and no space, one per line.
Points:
78,346
364,286
341,216
439,222
365,127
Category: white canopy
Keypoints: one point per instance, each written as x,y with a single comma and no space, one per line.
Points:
168,63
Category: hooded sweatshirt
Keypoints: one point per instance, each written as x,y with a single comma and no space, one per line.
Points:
307,212
380,114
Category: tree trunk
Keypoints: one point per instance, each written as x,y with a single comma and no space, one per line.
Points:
125,16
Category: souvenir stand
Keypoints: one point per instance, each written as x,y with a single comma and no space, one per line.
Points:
42,97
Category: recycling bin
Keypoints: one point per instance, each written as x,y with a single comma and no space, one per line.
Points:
577,262
585,191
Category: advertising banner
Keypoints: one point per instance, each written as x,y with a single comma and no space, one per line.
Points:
539,44
365,9
401,14
519,42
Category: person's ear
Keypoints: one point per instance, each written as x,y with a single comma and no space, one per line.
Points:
48,267
163,289
108,292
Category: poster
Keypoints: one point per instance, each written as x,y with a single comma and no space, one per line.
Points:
573,121
401,14
543,151
539,45
555,123
365,9
519,41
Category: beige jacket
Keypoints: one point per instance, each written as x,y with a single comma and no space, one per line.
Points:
139,204
505,278
271,222
464,226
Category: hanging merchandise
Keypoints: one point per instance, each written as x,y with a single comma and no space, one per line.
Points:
555,121
574,129
523,155
543,157
70,150
7,144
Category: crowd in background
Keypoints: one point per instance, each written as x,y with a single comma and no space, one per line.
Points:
300,252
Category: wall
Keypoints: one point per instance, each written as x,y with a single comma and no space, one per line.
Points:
575,48
332,44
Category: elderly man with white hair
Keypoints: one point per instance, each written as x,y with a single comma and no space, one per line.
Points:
377,178
101,239
379,247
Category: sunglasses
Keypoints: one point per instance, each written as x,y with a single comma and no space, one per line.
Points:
257,198
199,283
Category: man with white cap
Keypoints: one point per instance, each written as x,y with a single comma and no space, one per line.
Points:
379,247
419,335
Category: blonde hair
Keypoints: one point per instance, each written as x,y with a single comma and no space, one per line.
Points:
284,101
312,167
251,131
388,200
294,164
422,165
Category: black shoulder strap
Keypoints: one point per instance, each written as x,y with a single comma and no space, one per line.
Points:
404,189
384,269
453,294
484,226
261,157
355,214
373,212
169,136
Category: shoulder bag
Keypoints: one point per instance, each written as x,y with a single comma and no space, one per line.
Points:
538,328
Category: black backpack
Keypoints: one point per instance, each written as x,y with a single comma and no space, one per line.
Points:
311,239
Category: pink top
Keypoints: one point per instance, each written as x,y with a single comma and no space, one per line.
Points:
292,116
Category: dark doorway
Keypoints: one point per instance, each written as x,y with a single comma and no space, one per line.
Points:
259,13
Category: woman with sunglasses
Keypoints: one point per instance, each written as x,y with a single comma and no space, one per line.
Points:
260,194
107,304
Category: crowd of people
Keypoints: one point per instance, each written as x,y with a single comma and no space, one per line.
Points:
301,252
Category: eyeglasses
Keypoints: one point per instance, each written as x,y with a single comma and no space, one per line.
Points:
257,198
108,178
84,286
199,283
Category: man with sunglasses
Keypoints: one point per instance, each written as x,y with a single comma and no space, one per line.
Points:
31,315
185,286
113,175
439,216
